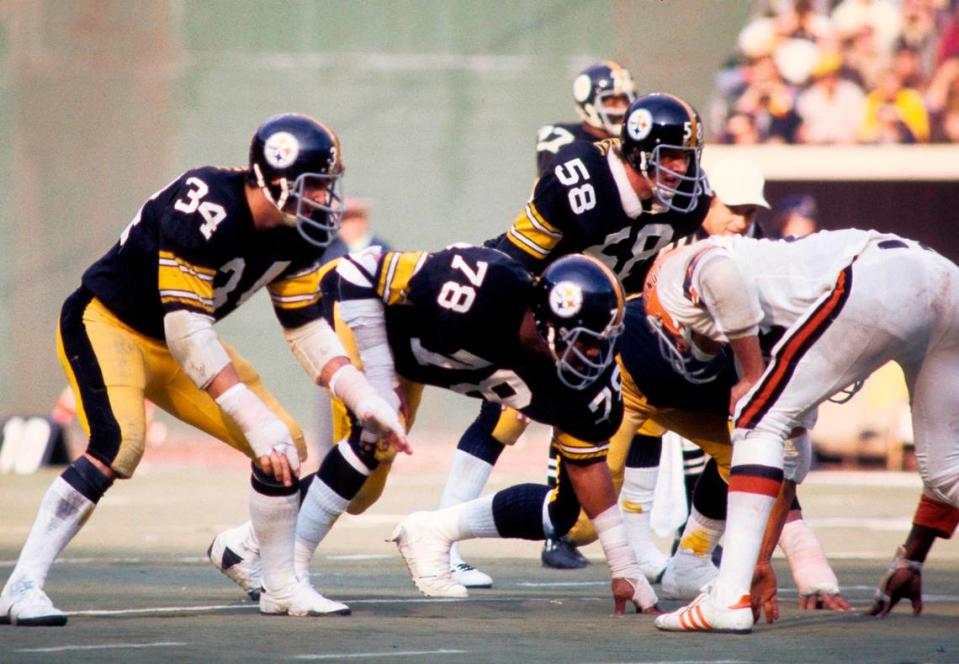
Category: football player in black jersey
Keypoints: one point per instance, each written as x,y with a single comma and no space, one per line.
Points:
620,201
141,327
601,92
472,320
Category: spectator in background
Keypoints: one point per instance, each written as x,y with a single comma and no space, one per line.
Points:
793,216
864,60
908,67
832,108
882,18
740,129
355,234
949,41
919,32
942,99
895,113
770,102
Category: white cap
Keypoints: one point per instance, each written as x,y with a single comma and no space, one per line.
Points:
736,181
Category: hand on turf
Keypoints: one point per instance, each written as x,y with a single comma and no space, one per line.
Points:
902,579
763,594
638,591
823,601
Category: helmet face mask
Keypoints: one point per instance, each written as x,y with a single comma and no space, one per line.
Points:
317,202
295,161
578,310
602,92
676,341
661,131
582,354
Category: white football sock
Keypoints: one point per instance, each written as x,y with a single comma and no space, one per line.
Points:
639,487
274,523
746,515
467,477
320,509
467,520
61,514
701,534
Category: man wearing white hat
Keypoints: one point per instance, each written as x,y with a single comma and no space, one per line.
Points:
738,185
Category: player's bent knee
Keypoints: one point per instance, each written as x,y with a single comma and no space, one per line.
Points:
84,476
371,490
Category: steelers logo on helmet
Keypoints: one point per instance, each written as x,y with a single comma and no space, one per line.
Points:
281,149
566,299
639,124
582,87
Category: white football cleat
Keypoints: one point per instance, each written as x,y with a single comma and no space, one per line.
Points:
467,575
427,554
232,553
301,599
686,574
706,614
25,604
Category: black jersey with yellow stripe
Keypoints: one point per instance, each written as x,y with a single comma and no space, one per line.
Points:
550,139
576,207
662,386
453,319
193,246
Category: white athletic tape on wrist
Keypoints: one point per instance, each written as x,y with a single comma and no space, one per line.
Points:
351,386
264,431
314,345
807,560
195,346
611,531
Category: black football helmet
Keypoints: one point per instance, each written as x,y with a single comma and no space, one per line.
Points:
594,87
658,122
296,162
578,309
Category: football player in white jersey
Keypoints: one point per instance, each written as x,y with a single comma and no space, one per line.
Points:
840,298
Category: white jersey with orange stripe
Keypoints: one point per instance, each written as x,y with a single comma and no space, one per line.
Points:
760,284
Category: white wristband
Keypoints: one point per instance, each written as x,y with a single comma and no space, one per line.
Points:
264,431
611,530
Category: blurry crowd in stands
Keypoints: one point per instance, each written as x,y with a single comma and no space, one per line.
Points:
842,72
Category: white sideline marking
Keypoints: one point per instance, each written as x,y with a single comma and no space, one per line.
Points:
162,609
108,646
559,584
895,523
401,653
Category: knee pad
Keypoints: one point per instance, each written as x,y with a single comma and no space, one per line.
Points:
86,478
268,485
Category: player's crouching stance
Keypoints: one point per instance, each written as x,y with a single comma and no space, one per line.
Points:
841,298
473,320
141,327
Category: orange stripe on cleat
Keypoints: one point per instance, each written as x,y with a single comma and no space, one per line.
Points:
702,619
743,603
